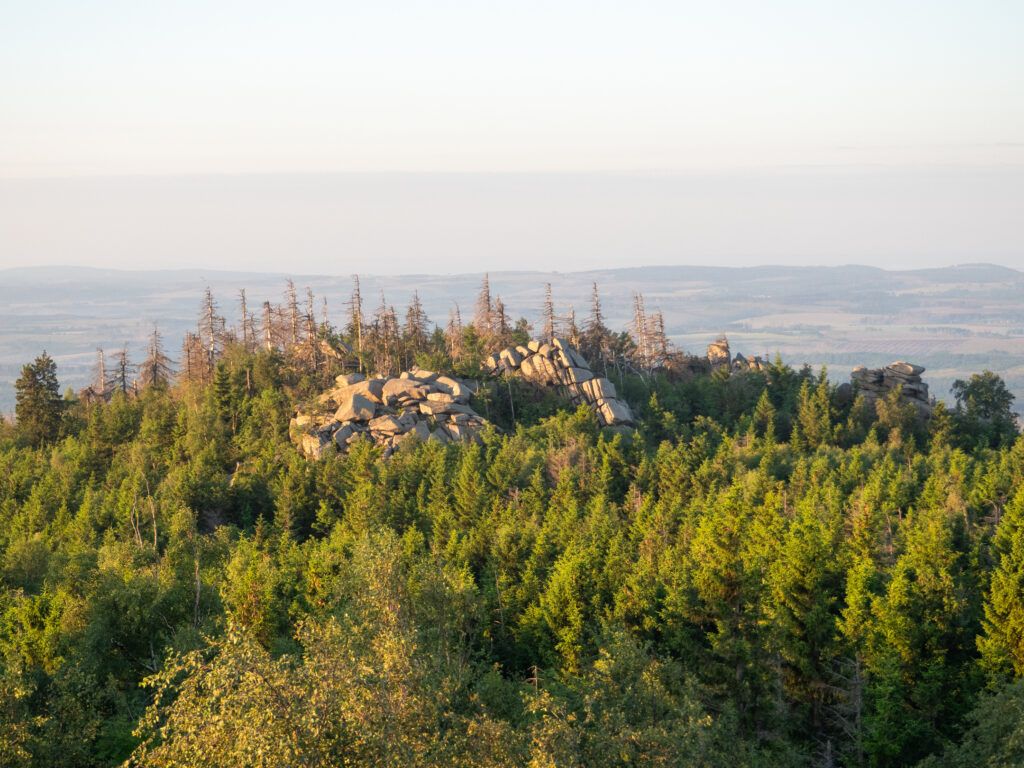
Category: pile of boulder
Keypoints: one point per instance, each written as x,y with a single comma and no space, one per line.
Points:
416,405
421,405
560,365
878,383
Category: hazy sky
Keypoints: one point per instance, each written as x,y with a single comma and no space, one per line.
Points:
562,134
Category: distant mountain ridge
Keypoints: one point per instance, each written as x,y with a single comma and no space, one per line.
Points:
978,270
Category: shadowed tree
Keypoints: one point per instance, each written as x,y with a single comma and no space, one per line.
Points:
120,375
983,413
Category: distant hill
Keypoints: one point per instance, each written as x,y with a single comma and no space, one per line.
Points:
954,320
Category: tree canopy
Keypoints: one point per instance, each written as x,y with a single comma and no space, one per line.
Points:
38,402
763,574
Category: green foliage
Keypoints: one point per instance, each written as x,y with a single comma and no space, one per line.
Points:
983,410
38,404
763,575
1002,643
995,736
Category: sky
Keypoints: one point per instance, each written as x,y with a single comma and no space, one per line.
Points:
442,136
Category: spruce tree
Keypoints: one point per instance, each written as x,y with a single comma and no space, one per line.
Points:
483,321
918,676
595,342
211,331
38,405
416,331
355,323
247,323
156,370
120,377
1002,642
502,324
548,315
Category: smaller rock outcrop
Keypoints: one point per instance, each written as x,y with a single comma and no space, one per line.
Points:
560,365
719,355
417,405
741,363
878,383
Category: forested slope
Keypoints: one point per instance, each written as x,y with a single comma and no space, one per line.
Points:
761,575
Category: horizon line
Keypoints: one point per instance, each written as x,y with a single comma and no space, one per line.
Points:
267,273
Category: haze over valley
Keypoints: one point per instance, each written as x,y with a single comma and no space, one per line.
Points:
955,321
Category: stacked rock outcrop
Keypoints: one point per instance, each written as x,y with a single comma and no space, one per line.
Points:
878,383
417,405
559,365
719,355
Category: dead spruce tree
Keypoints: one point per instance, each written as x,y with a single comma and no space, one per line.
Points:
354,331
453,335
194,360
641,332
157,369
384,338
483,320
658,342
416,331
570,330
100,387
292,313
247,324
267,327
306,351
548,319
502,325
121,379
212,333
596,340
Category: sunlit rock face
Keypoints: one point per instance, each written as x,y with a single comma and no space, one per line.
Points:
560,365
417,405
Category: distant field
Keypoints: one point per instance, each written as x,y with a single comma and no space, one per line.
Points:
954,321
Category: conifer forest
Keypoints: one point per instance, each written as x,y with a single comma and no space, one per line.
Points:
770,569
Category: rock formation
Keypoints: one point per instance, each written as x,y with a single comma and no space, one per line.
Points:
424,405
741,363
417,405
559,365
718,353
878,383
719,356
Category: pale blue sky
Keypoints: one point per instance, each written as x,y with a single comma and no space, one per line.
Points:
743,91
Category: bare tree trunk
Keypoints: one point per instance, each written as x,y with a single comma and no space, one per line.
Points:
195,608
